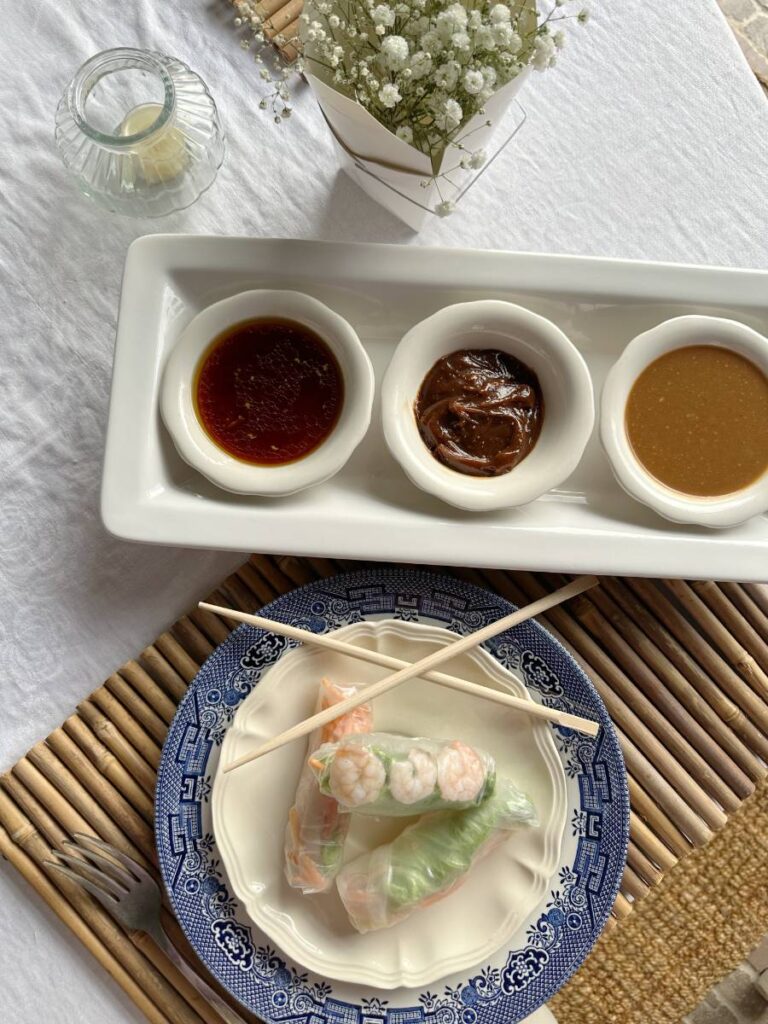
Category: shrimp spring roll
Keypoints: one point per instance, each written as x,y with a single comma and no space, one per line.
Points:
399,775
429,859
316,829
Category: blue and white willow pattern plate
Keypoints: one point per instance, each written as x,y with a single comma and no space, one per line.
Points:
564,926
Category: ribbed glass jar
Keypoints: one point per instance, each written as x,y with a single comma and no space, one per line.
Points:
140,132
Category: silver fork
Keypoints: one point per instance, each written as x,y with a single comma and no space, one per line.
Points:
132,897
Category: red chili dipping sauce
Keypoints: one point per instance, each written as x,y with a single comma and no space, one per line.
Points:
268,391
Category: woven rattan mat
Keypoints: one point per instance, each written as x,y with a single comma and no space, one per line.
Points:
683,670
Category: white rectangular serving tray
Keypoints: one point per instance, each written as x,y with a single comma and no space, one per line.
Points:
370,510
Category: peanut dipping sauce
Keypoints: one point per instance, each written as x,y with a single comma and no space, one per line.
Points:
697,420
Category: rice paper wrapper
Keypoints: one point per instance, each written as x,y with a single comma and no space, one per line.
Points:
388,169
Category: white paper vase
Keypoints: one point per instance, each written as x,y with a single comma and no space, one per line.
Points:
388,169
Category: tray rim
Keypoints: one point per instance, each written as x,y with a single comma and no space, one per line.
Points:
576,549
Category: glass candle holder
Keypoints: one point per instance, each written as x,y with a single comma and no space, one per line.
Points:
140,132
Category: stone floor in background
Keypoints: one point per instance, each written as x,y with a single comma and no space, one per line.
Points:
749,20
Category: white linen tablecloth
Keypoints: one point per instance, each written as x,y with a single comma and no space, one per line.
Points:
649,140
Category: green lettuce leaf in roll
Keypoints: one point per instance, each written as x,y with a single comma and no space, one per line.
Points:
392,775
429,859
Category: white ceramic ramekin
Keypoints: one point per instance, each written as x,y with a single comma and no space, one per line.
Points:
231,474
569,411
722,511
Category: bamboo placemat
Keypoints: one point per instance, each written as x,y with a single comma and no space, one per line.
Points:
682,668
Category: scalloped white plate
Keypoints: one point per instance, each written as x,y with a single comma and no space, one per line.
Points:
250,807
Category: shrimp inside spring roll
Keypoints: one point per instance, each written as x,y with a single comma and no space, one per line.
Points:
387,774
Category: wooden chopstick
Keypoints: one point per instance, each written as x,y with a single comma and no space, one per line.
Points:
529,707
419,668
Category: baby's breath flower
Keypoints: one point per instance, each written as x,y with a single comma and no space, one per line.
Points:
395,51
389,95
383,16
558,38
500,14
445,209
584,15
421,64
484,38
543,52
473,82
450,115
405,133
447,75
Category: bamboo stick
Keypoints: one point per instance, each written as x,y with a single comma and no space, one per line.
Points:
636,739
211,626
114,740
717,633
69,792
272,572
148,689
105,795
266,8
163,673
110,767
759,594
149,979
668,800
425,664
735,733
191,639
325,568
137,708
259,589
239,595
55,836
289,46
739,596
282,17
650,811
672,723
641,865
648,841
622,907
32,874
705,654
61,817
633,885
672,695
172,650
137,736
733,620
295,569
633,711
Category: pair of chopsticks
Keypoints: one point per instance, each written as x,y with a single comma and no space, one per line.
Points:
424,668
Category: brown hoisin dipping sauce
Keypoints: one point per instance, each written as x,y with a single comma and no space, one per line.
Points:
480,411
